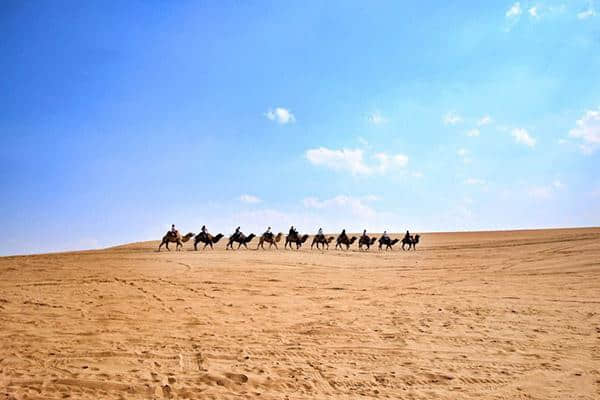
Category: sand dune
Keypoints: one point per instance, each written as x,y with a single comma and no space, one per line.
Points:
495,315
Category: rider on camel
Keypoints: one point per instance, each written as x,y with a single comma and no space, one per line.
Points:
268,233
343,235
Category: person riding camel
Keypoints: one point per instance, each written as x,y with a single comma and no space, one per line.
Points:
203,231
237,232
343,235
385,235
173,231
268,233
364,233
407,236
293,231
320,233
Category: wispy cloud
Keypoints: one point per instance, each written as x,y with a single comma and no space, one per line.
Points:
452,118
356,206
464,154
533,11
387,162
523,137
339,160
587,131
376,118
473,132
248,198
353,160
514,11
588,12
280,115
545,192
485,120
475,181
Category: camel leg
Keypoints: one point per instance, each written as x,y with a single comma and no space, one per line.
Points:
161,245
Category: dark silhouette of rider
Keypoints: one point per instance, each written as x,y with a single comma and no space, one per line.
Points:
268,232
343,234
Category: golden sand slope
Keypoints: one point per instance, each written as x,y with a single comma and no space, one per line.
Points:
499,315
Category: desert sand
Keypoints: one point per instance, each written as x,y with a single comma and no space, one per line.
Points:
494,315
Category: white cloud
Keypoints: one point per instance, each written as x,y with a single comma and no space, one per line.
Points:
485,120
355,205
464,155
533,11
544,192
588,13
417,174
390,161
474,181
540,192
363,141
452,118
473,132
372,197
344,159
514,11
376,118
353,160
587,130
523,137
281,115
248,198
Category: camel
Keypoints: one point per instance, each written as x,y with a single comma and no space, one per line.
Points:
207,239
387,242
241,239
366,241
410,241
343,240
295,238
320,239
177,238
269,238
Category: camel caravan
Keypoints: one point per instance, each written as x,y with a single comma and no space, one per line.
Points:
293,239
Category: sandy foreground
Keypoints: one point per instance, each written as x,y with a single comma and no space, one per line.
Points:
496,315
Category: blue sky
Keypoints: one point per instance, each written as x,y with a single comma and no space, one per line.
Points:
119,119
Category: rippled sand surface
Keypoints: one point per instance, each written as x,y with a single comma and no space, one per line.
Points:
495,315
